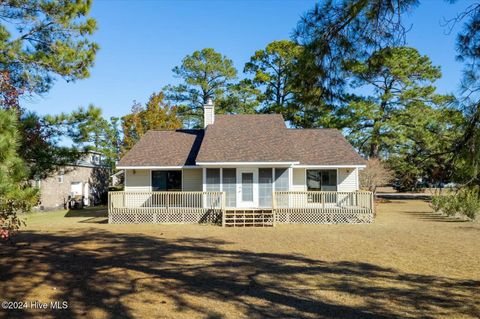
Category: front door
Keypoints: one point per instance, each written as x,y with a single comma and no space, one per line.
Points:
247,187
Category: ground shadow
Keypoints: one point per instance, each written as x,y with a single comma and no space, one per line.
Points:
436,217
401,196
97,269
470,228
99,211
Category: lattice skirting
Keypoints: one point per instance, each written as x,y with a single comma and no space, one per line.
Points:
214,216
159,216
324,216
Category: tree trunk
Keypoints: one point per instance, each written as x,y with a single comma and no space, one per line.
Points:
374,144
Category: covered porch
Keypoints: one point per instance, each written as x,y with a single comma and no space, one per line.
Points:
246,185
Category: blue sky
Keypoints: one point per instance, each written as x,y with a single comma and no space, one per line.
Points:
141,41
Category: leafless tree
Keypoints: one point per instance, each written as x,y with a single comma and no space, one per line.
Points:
374,175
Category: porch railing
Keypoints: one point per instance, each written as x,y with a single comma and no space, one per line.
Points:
309,207
165,207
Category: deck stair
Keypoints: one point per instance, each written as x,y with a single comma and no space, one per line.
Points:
249,218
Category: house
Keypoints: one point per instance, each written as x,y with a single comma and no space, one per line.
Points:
86,179
252,160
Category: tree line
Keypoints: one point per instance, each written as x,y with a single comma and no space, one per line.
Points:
347,66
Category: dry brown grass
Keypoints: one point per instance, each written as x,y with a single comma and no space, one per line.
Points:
410,263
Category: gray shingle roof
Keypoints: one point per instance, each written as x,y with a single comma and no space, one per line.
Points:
164,148
323,147
243,138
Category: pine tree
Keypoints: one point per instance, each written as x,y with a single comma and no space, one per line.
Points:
16,195
43,39
399,79
274,71
206,75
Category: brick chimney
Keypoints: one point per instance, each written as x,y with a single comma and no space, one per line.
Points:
208,113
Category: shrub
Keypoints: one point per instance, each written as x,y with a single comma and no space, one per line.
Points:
437,202
470,202
451,205
466,201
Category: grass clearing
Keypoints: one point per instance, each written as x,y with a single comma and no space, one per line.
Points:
410,263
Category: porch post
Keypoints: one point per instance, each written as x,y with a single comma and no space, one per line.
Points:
167,200
223,209
274,213
372,203
109,207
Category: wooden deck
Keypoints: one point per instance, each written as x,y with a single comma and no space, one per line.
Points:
288,207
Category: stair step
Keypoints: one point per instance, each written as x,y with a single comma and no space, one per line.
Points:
249,218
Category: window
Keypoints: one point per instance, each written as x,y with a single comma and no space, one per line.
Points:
60,176
76,188
166,181
247,187
265,180
96,159
230,186
322,180
213,180
281,179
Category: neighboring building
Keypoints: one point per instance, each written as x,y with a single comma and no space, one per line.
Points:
117,179
86,180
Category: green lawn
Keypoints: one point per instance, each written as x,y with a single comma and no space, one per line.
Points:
410,263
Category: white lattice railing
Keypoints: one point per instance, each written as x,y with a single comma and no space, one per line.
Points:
308,207
165,207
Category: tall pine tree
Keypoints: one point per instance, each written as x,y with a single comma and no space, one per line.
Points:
16,195
205,75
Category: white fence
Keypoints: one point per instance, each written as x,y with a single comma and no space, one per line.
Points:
297,207
165,207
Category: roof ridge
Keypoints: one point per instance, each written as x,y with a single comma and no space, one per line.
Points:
254,114
175,130
313,128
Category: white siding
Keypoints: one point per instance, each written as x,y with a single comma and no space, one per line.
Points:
140,181
347,179
192,180
299,182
